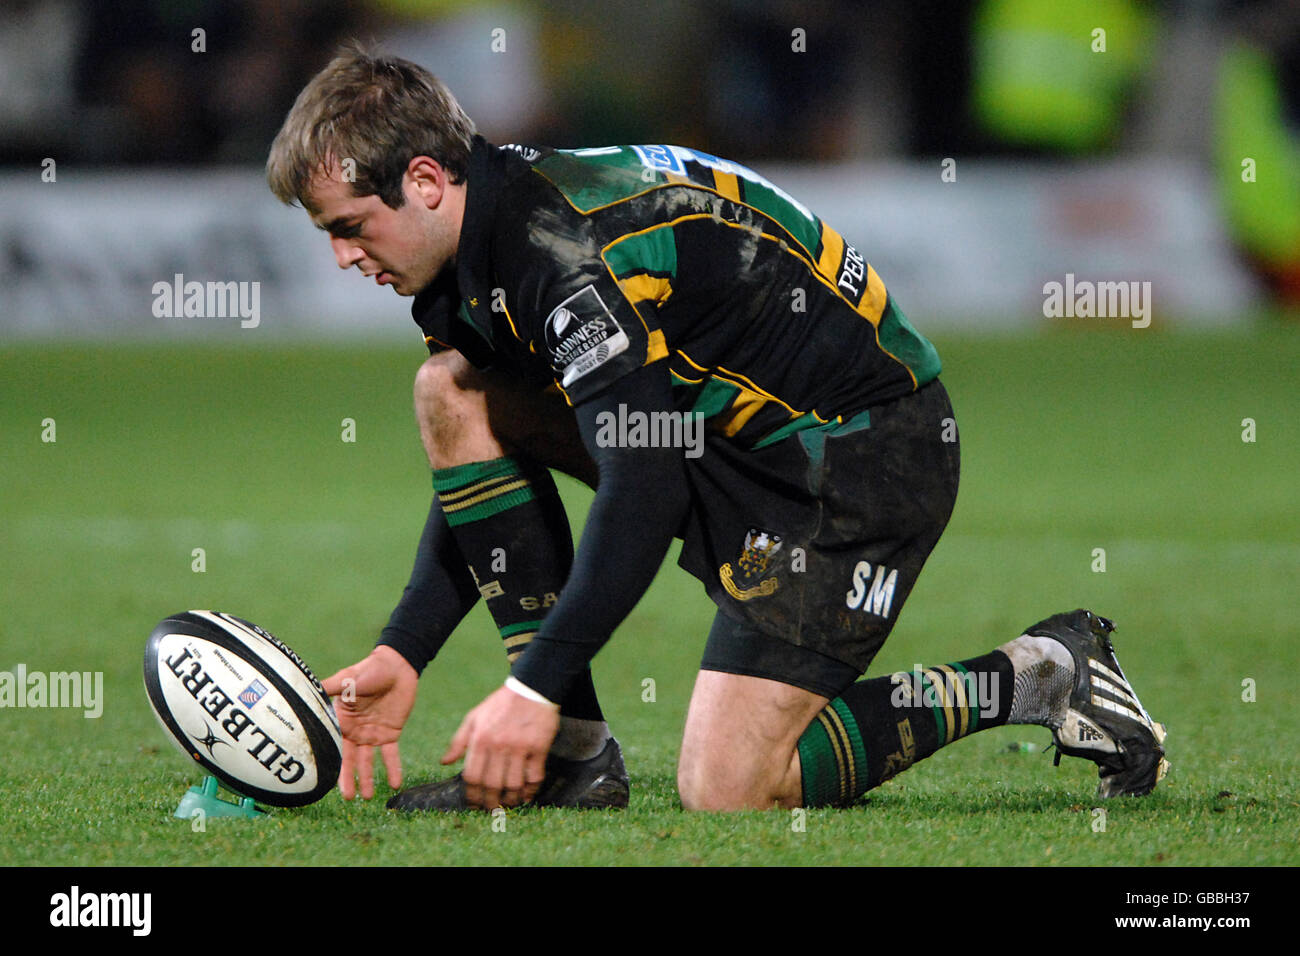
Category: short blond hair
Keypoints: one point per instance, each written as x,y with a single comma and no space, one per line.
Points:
378,111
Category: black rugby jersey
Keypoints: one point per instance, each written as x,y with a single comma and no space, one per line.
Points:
579,266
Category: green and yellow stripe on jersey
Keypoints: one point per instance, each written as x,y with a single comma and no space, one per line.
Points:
706,252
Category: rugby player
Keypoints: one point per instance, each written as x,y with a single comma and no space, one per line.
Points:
566,295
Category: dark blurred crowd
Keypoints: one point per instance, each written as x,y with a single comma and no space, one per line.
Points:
185,82
169,82
1212,83
180,82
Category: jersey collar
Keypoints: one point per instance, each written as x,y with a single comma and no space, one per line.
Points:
464,297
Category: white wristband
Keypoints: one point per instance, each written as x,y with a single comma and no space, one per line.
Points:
523,690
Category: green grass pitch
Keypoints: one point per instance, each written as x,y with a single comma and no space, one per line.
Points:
1126,441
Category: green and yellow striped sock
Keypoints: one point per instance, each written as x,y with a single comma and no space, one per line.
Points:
880,727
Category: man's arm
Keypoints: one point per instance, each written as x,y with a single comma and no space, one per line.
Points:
640,501
439,594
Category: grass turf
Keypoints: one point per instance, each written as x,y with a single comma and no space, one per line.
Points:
1126,441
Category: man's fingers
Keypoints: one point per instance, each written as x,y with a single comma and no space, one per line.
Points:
472,772
492,781
459,740
333,685
534,774
347,781
504,742
513,794
366,771
392,763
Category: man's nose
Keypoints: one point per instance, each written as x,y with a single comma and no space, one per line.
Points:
345,253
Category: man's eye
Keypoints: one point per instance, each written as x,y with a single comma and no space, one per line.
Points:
348,232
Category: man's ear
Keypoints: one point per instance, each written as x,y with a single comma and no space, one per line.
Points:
428,179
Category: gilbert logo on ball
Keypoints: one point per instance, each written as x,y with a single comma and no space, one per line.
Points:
240,703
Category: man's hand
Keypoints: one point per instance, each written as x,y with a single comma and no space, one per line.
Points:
372,699
507,738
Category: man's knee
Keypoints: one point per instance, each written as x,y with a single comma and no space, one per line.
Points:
716,773
469,415
721,785
701,789
452,413
739,747
442,382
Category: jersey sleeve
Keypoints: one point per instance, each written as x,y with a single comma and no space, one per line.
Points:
571,310
639,487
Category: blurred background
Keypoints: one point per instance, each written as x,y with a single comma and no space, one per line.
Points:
973,149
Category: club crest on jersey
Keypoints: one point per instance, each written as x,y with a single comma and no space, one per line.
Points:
746,582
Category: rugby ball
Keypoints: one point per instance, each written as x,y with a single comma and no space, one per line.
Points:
244,706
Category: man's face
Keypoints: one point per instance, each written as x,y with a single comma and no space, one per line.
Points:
404,247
